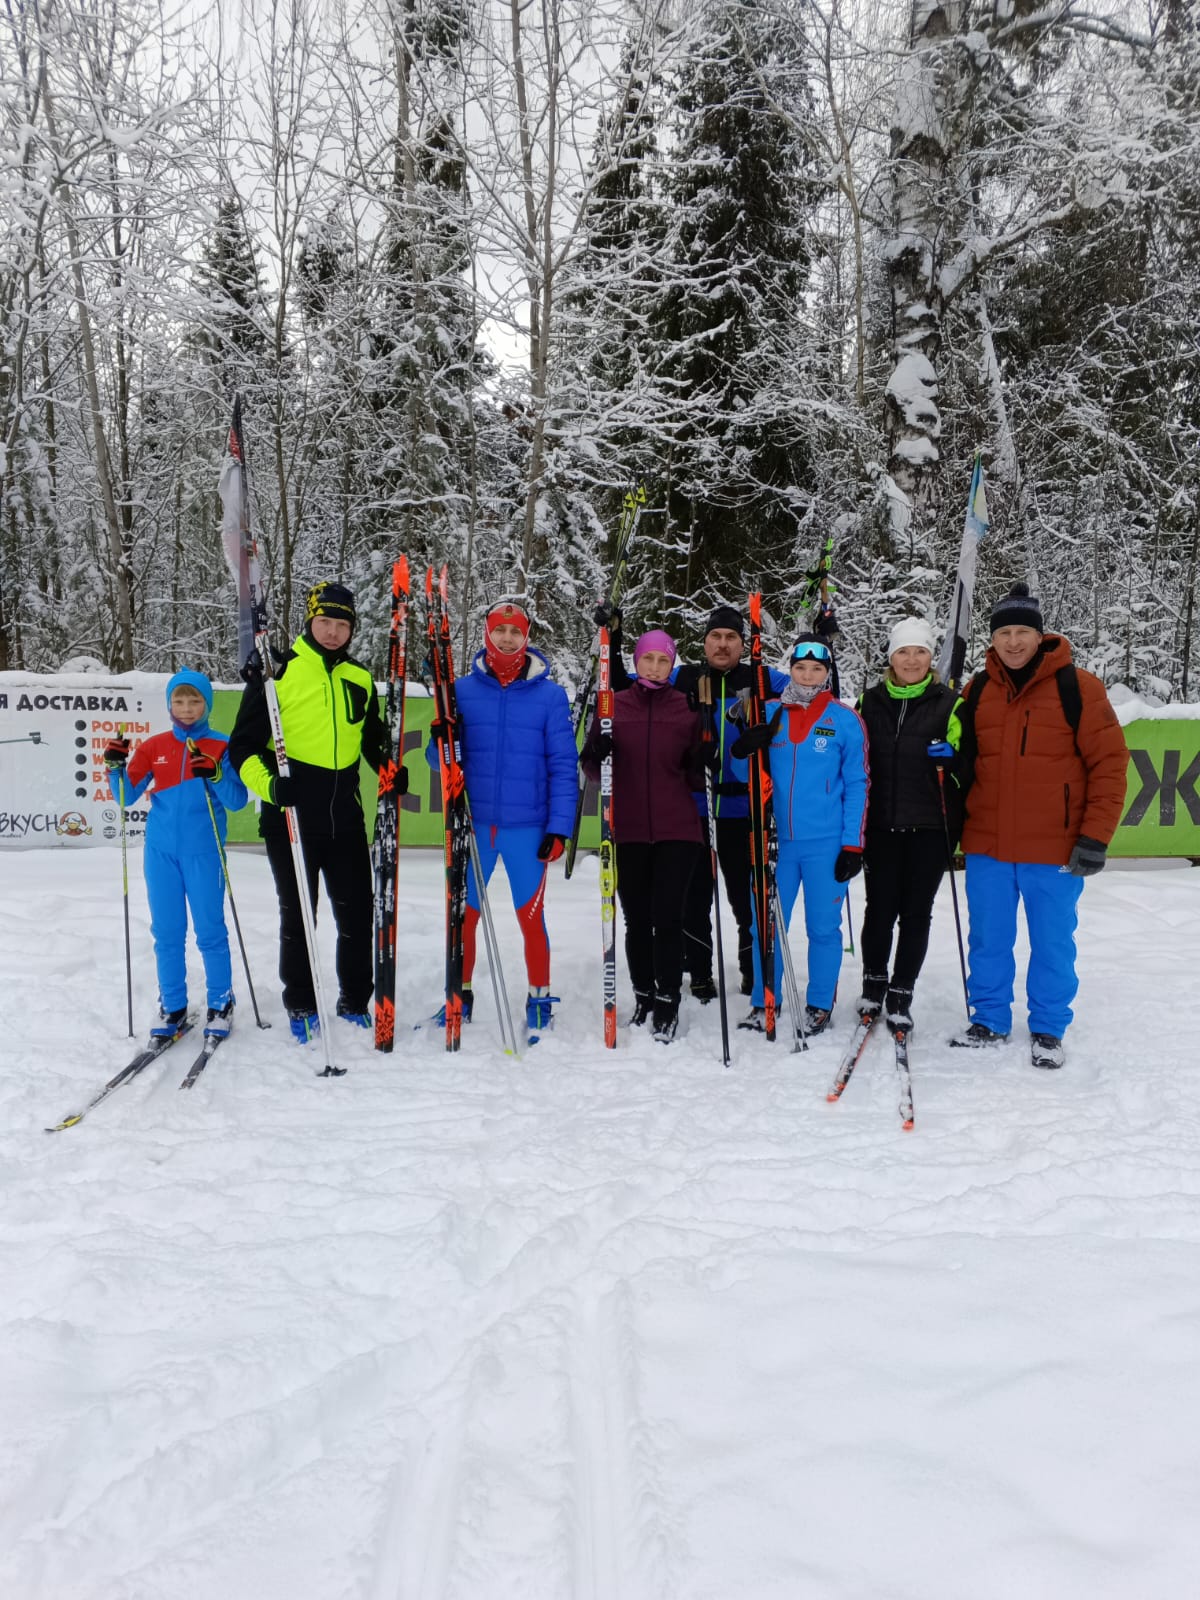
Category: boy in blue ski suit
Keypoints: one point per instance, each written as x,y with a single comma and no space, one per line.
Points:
817,751
519,762
182,861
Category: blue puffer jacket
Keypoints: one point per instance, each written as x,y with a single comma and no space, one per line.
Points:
518,748
819,772
179,823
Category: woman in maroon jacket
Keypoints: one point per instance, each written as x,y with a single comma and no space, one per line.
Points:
657,764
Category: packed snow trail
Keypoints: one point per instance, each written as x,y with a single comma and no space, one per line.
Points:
595,1325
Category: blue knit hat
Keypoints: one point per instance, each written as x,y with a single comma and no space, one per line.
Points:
185,678
1018,609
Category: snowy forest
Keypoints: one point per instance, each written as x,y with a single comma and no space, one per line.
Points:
478,267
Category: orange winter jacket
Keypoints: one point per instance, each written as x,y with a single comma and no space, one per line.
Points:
1033,792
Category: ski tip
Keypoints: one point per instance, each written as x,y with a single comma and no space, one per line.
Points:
67,1122
832,1098
907,1126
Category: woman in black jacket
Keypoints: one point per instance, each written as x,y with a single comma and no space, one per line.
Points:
912,820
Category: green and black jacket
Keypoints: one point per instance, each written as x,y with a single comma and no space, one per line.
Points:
331,721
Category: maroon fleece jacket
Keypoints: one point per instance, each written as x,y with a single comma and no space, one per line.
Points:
657,763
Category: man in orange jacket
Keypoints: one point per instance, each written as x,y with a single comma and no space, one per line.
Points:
1045,797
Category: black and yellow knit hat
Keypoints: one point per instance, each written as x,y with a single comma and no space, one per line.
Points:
329,599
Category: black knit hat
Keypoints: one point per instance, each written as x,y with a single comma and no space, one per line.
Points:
727,617
328,599
1018,609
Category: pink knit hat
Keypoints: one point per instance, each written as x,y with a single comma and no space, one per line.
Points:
656,639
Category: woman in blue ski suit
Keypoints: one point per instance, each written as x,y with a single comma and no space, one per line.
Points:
181,860
519,762
817,751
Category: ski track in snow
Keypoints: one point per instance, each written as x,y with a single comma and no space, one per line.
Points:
594,1325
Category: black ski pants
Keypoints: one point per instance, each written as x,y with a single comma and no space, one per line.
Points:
652,884
344,862
733,855
902,870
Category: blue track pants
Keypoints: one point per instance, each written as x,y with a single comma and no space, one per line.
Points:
809,866
1051,899
175,885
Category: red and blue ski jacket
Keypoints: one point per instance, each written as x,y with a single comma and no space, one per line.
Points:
820,776
179,823
518,748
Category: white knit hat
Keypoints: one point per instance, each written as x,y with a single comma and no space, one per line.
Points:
910,630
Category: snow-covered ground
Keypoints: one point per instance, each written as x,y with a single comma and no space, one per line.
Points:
595,1325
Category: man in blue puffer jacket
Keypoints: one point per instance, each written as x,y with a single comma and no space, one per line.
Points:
182,861
519,760
817,750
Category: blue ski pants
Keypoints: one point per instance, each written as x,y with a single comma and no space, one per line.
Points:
176,884
1051,898
808,865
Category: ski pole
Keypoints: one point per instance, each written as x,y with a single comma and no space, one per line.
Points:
705,698
508,1033
848,949
26,738
212,817
962,959
791,987
125,888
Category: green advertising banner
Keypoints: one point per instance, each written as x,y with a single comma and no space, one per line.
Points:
1162,797
420,808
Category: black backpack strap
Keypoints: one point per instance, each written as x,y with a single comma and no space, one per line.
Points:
1067,679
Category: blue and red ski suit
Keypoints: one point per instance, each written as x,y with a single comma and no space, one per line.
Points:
181,861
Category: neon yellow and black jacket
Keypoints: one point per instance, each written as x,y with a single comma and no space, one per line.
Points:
331,719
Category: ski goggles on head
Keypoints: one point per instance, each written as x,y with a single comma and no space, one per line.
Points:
806,650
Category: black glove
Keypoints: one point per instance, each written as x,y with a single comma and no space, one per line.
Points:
116,754
402,780
757,738
1088,857
551,847
284,791
848,864
607,617
439,731
252,670
202,765
603,747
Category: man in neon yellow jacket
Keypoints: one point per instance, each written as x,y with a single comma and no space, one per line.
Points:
331,720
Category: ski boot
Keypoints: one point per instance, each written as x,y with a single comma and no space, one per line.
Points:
219,1020
755,1020
643,1005
977,1037
305,1025
1046,1050
169,1024
349,1013
666,1017
468,1005
870,1001
539,1015
816,1019
899,1010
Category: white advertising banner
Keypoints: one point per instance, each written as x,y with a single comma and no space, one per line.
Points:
53,729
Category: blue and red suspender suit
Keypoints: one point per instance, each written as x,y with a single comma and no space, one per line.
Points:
519,759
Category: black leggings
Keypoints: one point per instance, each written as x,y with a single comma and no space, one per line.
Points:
902,872
345,864
652,881
733,854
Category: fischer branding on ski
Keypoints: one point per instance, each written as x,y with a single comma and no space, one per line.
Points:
608,864
127,1074
581,707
